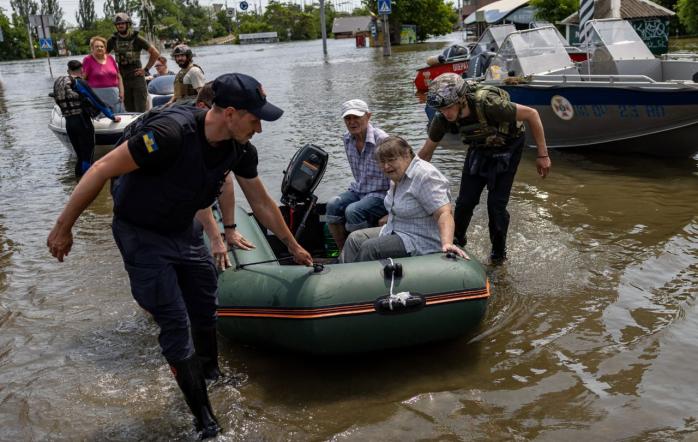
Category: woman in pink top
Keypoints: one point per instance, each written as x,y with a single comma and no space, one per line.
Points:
102,74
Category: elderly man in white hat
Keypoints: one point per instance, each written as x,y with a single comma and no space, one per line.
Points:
361,206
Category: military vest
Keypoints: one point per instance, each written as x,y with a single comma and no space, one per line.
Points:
483,133
70,103
166,201
182,90
125,53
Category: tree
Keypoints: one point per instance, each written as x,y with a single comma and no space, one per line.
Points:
15,45
554,10
52,7
688,14
85,15
111,7
22,10
432,17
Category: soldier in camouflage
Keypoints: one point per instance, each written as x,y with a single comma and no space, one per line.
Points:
127,46
492,127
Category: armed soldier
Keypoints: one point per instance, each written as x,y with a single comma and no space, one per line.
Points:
127,46
492,126
190,78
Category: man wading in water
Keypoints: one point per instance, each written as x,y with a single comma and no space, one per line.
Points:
170,171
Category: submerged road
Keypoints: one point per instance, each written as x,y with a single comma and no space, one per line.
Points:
590,333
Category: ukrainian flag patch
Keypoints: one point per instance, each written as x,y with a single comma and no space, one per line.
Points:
149,140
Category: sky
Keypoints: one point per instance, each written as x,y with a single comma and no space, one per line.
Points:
71,6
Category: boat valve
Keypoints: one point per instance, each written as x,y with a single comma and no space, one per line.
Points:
317,268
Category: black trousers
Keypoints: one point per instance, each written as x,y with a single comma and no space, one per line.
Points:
173,278
498,176
81,133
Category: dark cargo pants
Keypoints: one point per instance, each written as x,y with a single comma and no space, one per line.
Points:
499,183
173,277
135,93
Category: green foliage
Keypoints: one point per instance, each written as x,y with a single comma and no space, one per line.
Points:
22,10
249,23
52,7
78,41
432,17
688,14
554,10
222,25
290,22
15,45
111,7
85,15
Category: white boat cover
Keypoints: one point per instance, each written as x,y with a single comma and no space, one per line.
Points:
496,11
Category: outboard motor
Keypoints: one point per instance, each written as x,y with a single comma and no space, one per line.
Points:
301,178
303,174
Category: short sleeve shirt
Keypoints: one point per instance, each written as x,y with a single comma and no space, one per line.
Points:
195,77
496,111
167,136
411,205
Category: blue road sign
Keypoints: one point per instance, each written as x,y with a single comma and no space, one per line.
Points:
46,44
244,5
383,7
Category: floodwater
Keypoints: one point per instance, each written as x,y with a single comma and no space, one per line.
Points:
590,333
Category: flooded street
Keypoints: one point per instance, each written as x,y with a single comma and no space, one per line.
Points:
590,333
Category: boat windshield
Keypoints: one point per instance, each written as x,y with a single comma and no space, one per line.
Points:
535,51
492,39
619,39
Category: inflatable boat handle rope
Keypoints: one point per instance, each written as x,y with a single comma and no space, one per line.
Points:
401,297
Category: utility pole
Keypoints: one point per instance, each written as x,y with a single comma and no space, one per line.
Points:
384,10
323,28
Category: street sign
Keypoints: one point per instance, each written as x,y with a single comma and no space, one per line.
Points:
46,44
230,12
244,5
383,7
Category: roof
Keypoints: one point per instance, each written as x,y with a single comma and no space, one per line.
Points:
351,24
494,12
629,9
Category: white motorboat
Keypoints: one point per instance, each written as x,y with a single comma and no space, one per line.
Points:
622,99
107,132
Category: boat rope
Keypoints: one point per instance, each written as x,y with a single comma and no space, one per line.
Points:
401,297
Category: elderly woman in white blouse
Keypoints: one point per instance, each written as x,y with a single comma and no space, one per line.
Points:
419,210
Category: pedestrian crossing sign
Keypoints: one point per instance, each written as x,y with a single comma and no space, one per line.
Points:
384,7
45,44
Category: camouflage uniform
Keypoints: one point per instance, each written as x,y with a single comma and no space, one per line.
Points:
127,52
495,140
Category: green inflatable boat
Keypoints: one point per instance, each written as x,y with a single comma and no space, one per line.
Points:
265,299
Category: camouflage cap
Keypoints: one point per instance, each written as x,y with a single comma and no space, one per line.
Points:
122,17
445,90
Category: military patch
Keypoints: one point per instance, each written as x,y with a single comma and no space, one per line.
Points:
149,140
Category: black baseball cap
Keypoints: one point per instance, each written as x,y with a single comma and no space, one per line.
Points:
244,92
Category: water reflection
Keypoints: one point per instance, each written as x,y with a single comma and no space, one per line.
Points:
589,332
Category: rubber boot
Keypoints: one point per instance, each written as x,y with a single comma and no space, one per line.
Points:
206,346
190,379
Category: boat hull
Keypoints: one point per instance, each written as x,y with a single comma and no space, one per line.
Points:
337,308
428,73
660,120
107,132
